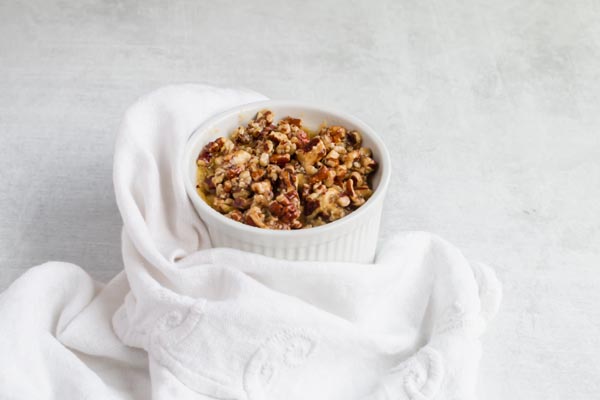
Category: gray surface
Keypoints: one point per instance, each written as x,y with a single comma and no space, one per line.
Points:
490,108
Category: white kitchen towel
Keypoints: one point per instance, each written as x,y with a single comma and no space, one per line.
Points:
186,321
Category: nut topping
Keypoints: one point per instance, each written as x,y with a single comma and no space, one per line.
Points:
280,176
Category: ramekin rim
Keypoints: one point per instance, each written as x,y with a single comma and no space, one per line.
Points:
384,163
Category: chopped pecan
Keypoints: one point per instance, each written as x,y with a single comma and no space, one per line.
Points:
268,147
264,159
293,121
241,193
233,171
341,172
280,159
223,205
244,179
255,217
311,206
363,191
241,136
242,203
350,158
357,178
278,137
209,184
263,187
337,133
207,152
227,186
240,157
284,127
257,174
354,139
285,207
320,176
261,200
332,159
343,201
349,188
368,165
314,151
300,139
273,172
288,179
219,146
236,215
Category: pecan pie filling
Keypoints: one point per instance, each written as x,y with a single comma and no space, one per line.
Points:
281,176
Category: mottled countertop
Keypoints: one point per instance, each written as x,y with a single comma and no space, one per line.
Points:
490,108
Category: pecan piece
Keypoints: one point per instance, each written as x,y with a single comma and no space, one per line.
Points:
285,207
208,151
264,159
255,217
273,172
240,157
242,203
343,201
354,139
357,178
241,136
236,215
257,173
244,179
263,187
280,159
337,133
300,139
209,184
349,188
332,159
278,137
289,180
293,121
350,158
314,151
310,206
233,171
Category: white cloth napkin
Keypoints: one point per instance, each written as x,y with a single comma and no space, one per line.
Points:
184,321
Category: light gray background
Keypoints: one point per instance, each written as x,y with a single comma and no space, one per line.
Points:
491,109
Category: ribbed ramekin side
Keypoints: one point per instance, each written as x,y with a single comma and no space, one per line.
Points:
354,245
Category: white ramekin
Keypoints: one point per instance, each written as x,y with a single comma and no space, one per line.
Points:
352,238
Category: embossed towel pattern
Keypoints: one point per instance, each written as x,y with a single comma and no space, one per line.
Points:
186,321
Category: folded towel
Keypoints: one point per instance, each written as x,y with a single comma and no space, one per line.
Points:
188,321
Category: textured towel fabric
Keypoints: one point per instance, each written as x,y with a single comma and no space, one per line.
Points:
185,321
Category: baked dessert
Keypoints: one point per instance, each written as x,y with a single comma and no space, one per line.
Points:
283,176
